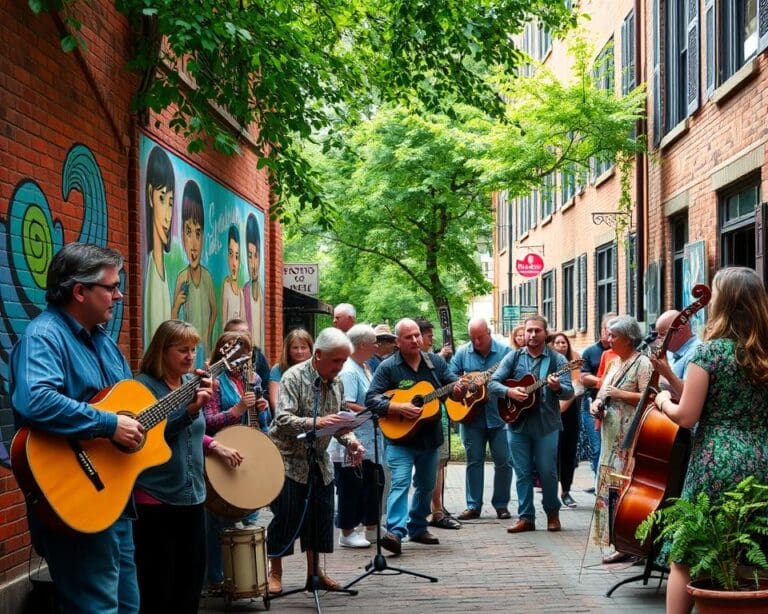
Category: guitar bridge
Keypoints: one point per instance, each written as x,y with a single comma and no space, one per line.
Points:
86,465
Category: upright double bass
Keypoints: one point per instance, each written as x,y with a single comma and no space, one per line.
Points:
657,452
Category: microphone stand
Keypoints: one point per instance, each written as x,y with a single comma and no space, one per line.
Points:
378,564
314,483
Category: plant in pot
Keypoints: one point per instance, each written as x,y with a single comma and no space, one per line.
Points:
724,541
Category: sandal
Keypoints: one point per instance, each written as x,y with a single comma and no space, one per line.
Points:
444,522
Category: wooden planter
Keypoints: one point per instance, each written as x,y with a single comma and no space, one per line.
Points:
709,600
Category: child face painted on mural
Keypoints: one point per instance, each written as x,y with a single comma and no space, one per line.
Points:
193,241
161,201
254,261
233,258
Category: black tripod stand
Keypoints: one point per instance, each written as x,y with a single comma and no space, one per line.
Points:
315,483
378,564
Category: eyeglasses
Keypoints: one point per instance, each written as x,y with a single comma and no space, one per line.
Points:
111,288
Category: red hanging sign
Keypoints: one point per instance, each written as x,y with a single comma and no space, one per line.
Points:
530,266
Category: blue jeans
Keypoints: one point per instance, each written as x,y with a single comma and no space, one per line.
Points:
475,435
539,452
402,461
92,572
588,423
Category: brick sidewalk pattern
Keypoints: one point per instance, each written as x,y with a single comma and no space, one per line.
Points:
479,567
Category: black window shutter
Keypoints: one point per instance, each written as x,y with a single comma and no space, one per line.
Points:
762,20
760,216
656,74
710,18
694,70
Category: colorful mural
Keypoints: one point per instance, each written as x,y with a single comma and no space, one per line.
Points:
30,235
203,249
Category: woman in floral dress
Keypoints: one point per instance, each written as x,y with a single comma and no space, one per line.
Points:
623,384
726,392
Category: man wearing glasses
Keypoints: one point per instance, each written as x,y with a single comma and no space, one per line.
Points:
486,428
63,359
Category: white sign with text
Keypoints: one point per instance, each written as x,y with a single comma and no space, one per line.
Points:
302,277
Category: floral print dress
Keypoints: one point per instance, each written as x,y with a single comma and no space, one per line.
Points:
616,421
731,440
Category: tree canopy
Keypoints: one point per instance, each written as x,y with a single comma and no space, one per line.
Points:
299,67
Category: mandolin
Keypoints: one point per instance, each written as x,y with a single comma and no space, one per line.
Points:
512,411
85,484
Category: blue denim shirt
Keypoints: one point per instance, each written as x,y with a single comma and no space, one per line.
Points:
546,418
180,481
467,360
58,366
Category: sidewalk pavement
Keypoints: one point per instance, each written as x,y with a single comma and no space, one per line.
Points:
479,567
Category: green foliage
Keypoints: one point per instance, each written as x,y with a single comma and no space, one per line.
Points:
296,68
716,537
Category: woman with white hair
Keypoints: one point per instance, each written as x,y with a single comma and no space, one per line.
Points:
623,384
358,489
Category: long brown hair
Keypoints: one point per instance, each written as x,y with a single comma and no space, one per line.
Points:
739,311
170,332
569,352
297,334
231,337
513,334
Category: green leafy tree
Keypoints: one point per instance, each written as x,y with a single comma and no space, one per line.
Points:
285,69
411,190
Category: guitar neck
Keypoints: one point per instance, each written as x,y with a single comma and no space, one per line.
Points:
440,393
183,395
539,383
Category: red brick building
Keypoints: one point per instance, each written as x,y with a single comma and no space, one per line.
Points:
73,167
698,196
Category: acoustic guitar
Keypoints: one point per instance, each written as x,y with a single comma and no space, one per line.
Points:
512,411
85,484
422,394
657,452
475,396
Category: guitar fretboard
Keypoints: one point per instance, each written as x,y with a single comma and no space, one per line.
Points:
183,395
539,383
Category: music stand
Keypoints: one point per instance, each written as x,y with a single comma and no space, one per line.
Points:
378,564
315,481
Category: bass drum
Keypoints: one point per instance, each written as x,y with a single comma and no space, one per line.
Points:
234,493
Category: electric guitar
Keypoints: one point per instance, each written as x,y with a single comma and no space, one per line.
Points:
421,394
476,394
511,411
85,484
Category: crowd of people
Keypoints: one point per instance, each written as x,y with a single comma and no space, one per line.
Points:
538,402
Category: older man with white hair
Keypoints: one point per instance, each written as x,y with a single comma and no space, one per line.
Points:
344,316
310,397
486,428
680,349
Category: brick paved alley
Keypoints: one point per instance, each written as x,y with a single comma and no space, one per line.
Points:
480,568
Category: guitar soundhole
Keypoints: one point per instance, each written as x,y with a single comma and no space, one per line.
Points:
418,401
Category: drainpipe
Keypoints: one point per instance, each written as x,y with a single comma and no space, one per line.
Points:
641,166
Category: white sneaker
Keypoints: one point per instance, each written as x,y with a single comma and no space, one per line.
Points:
353,540
239,525
370,534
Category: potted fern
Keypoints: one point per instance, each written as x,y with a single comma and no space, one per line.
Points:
725,543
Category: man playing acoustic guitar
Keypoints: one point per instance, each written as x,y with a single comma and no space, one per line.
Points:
64,358
534,437
406,367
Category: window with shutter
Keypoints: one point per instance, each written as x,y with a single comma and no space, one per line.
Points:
693,57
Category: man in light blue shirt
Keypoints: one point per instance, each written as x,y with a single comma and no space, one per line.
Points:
680,350
63,359
486,427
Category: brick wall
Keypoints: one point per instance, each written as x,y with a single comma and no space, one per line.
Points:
66,126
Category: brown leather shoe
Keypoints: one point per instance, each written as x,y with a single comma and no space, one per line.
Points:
424,538
469,514
274,583
522,525
553,521
391,542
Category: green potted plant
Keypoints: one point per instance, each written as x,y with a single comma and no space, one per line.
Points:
723,540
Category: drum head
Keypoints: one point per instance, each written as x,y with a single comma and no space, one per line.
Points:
259,478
